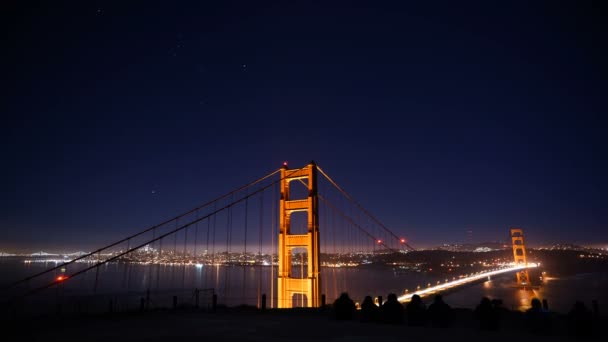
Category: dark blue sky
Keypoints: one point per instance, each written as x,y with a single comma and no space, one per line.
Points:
438,118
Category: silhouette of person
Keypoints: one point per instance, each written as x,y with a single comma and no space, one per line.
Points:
487,315
537,319
580,320
440,313
369,310
344,307
499,311
392,310
416,312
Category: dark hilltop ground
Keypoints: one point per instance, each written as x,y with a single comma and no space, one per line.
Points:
249,324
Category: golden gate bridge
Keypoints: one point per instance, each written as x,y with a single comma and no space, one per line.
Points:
291,227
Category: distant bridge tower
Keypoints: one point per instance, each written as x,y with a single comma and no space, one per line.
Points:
289,286
519,254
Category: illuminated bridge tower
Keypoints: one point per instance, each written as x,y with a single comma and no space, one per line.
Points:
519,253
288,286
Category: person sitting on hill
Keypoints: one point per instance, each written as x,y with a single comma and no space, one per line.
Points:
580,320
487,315
499,312
392,310
416,312
344,307
537,319
369,310
440,313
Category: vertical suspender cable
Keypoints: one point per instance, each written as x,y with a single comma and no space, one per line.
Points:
160,251
194,254
174,257
213,250
259,259
184,257
272,245
228,243
245,254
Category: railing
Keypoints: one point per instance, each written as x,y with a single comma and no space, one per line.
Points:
74,303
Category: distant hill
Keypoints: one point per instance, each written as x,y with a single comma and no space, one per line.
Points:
41,253
475,247
76,254
566,247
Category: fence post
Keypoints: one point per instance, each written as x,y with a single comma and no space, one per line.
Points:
380,301
263,302
196,299
596,308
545,305
174,302
147,299
214,303
323,301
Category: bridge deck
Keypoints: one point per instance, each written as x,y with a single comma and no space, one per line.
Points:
461,281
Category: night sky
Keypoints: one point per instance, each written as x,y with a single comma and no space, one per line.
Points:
439,118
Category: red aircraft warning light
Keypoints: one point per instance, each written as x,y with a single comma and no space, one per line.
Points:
62,278
402,240
285,163
379,241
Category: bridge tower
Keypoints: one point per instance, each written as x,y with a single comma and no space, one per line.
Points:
519,254
289,286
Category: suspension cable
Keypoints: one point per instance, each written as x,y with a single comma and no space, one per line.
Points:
365,211
143,231
349,219
158,238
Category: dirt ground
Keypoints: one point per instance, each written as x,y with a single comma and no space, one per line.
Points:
253,325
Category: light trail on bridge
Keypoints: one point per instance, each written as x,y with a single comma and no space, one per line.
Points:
462,281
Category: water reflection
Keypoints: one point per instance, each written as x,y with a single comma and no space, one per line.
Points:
524,297
236,285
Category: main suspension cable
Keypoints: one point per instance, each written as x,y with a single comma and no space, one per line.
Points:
365,211
143,231
158,238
